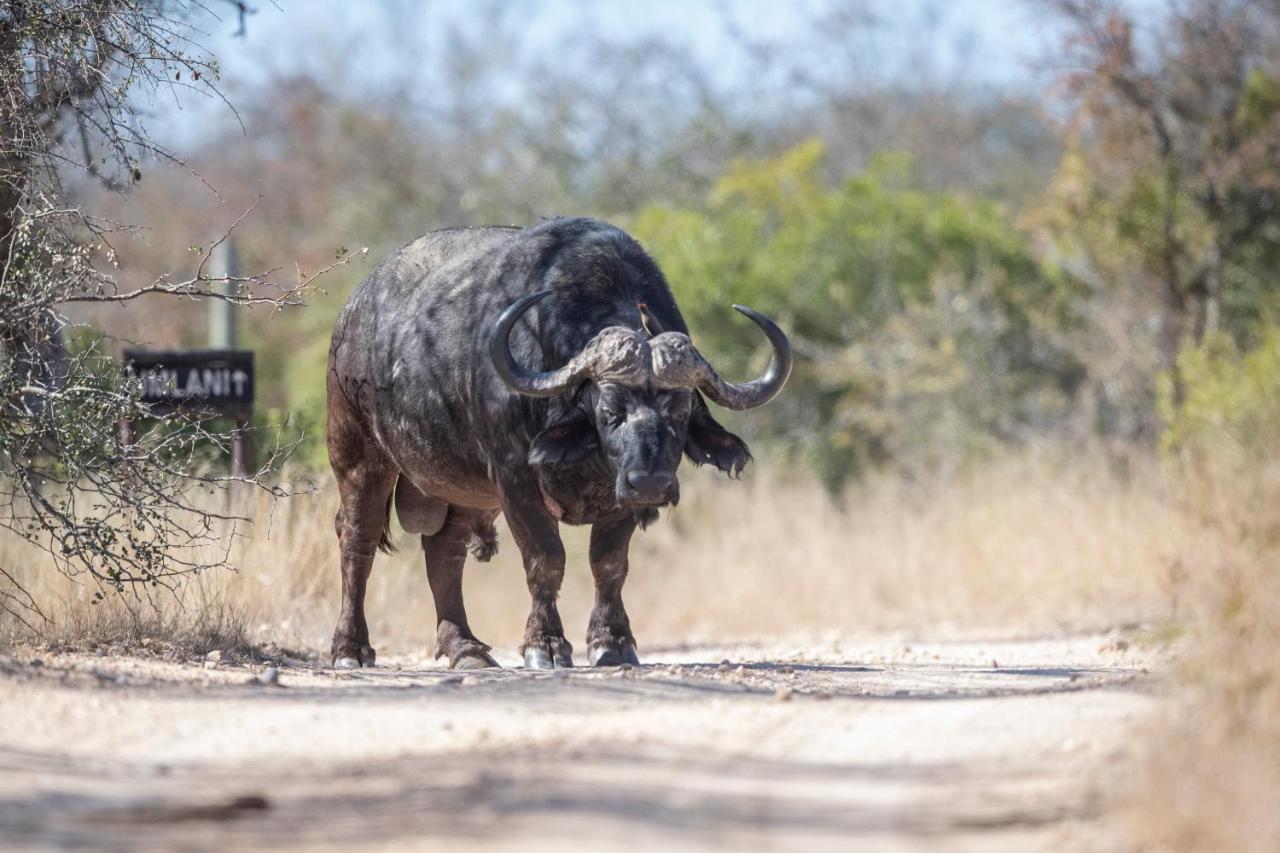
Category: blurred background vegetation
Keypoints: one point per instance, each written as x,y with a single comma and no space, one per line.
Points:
981,229
1028,254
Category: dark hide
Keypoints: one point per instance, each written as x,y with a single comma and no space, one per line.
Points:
570,440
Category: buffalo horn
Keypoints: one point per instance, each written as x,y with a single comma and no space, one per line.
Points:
531,383
757,392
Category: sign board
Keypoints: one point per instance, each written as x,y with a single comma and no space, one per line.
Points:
208,381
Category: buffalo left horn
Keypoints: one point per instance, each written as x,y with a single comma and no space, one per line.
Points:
757,392
531,383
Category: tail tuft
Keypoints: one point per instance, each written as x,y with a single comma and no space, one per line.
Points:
385,545
483,541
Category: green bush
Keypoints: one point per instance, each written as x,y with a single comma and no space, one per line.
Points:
923,321
1231,405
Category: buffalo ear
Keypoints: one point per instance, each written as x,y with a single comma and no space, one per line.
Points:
708,442
570,440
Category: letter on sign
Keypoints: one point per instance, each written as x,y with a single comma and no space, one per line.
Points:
208,381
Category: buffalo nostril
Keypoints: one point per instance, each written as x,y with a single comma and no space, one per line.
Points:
648,484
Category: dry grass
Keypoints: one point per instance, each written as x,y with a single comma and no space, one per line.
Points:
207,622
1038,542
1029,544
1212,774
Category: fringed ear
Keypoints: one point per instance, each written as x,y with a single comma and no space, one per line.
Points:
710,443
569,440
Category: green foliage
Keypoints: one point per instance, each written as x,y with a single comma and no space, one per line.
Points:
1259,102
1231,403
305,418
292,363
923,321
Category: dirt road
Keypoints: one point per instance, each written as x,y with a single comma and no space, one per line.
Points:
886,744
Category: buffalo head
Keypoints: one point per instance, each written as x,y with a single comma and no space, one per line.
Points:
640,402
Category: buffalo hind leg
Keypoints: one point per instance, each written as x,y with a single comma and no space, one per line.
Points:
365,491
537,536
446,554
609,638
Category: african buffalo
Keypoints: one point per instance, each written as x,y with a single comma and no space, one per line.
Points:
544,373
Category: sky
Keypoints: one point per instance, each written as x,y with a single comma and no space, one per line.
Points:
993,34
985,42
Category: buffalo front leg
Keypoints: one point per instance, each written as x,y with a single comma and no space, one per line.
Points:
446,555
538,537
361,523
609,638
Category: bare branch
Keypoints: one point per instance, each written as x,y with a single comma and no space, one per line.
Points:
144,512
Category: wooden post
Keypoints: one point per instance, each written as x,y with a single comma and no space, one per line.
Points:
125,427
225,264
240,447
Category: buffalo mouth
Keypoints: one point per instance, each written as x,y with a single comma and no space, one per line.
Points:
632,503
647,490
639,502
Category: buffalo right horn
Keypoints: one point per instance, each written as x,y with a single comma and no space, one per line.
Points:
749,395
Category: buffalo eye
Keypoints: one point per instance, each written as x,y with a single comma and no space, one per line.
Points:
612,414
675,411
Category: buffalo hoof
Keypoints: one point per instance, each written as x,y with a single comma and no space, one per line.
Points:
475,660
536,658
613,655
365,657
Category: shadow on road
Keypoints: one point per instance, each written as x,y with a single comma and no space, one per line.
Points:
801,754
663,796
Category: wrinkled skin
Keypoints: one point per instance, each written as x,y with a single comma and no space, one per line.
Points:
419,419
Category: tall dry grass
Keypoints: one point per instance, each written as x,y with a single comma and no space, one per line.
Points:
1211,779
1041,541
1037,542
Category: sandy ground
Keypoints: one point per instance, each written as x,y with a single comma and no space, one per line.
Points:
878,744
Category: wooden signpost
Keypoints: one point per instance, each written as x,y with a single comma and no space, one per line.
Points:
214,381
204,382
